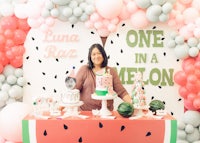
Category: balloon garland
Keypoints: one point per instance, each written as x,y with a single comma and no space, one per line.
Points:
15,22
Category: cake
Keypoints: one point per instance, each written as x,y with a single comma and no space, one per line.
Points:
138,93
71,96
104,84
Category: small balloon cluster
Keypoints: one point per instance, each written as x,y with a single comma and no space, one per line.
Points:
13,33
68,10
189,81
11,85
184,48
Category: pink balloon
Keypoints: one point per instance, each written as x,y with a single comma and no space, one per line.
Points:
192,79
10,120
189,105
9,43
192,87
19,36
9,22
109,9
17,62
3,60
139,20
197,73
1,68
191,96
180,78
189,69
125,14
2,41
183,92
190,15
8,33
196,103
185,2
23,24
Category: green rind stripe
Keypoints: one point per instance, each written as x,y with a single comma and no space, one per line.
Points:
25,131
173,131
101,93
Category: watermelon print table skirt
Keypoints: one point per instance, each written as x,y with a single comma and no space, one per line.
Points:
98,130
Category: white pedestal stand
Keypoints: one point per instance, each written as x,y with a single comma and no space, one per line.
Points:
140,110
104,110
72,109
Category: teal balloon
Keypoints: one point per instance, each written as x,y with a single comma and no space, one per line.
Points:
143,3
181,51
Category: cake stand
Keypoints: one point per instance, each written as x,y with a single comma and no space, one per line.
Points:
71,108
140,110
104,111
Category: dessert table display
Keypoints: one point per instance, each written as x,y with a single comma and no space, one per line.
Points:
89,128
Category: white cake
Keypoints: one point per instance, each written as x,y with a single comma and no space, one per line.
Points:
71,96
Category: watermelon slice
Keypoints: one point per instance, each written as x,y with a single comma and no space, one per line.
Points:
96,130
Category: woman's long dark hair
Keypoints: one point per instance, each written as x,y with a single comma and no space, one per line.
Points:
102,51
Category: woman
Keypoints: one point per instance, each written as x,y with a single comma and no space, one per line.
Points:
86,78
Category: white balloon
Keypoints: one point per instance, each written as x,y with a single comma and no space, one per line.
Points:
192,42
2,78
3,96
73,19
159,2
179,40
8,70
77,11
49,5
21,81
163,17
155,10
67,12
15,92
171,44
18,72
73,4
20,11
61,2
5,87
11,118
167,8
84,17
193,51
45,13
55,12
181,51
89,9
11,79
143,3
6,9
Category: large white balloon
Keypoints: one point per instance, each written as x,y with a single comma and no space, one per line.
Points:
11,118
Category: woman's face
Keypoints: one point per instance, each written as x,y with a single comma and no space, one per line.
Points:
96,57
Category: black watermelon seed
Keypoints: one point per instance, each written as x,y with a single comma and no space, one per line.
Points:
45,133
65,127
92,32
27,57
100,125
148,134
33,38
81,61
122,127
80,140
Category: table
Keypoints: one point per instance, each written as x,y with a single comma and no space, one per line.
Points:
99,130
